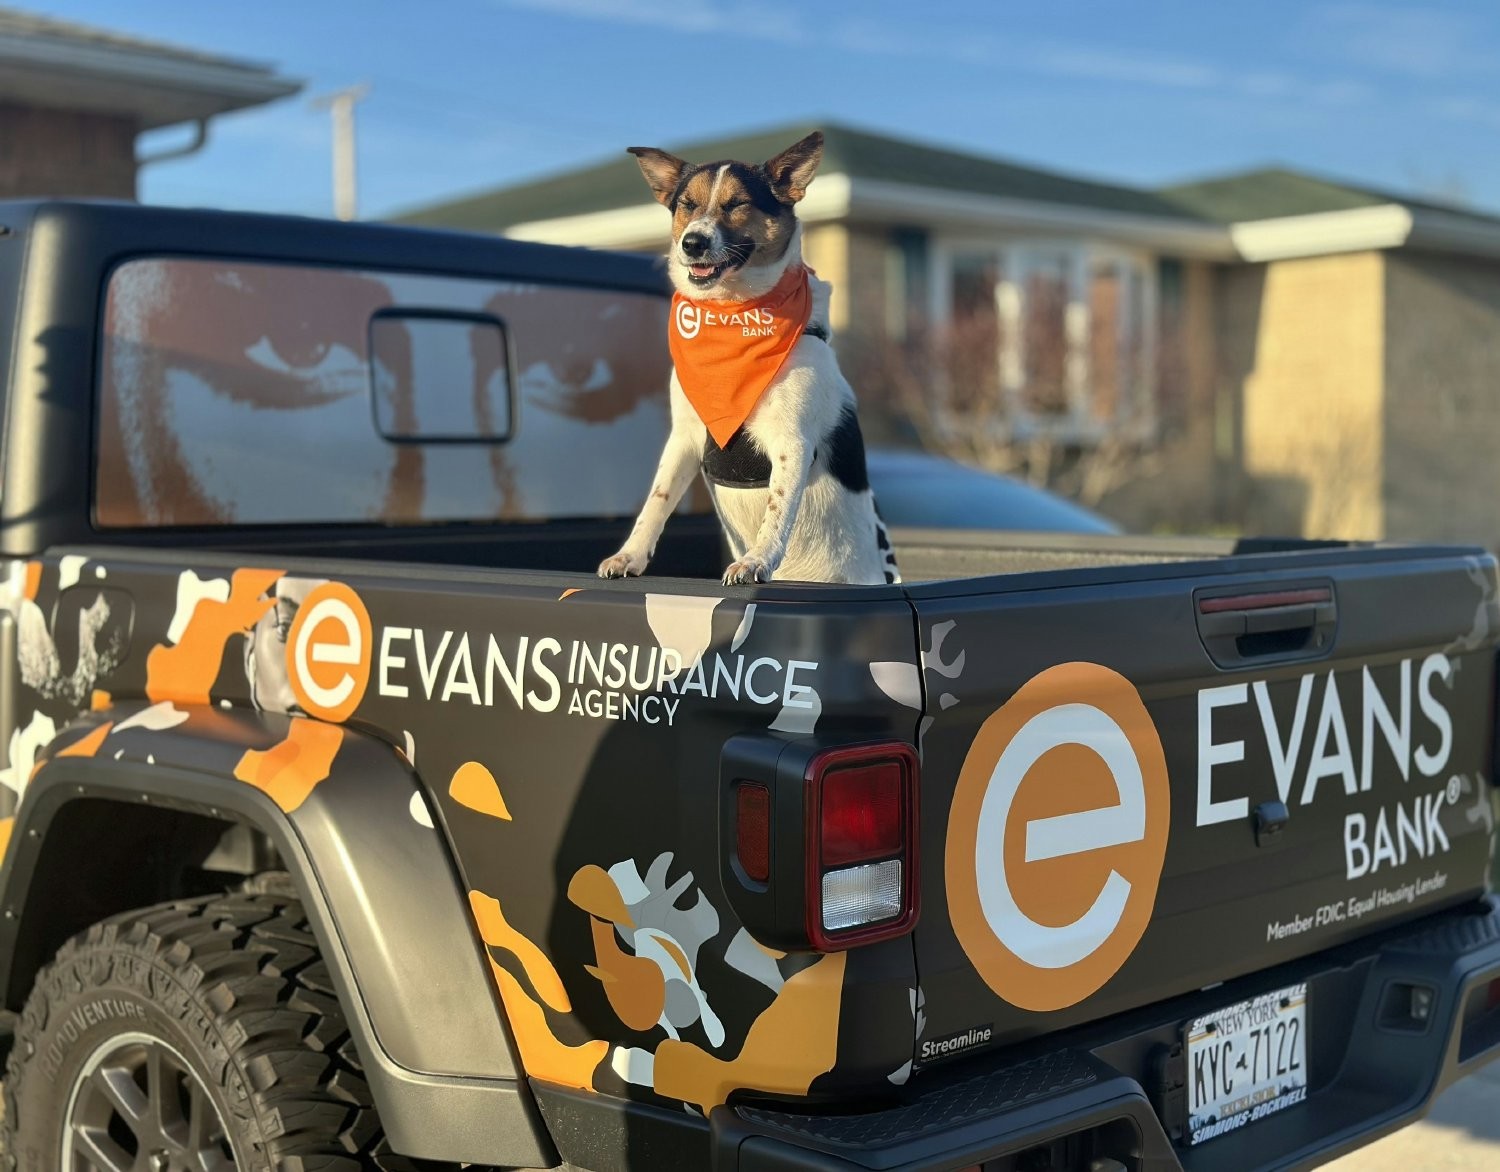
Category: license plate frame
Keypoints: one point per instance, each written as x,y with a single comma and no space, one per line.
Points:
1245,1062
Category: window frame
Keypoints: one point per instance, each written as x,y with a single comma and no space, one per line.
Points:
1014,257
474,317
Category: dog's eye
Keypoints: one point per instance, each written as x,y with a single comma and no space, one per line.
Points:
688,206
734,205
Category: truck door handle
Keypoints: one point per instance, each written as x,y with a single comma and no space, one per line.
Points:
1269,625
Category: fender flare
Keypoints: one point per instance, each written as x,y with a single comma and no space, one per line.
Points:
382,895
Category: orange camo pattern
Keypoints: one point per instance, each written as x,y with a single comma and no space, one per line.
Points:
794,1041
185,671
595,892
633,985
791,1043
287,772
475,786
542,1053
495,931
88,744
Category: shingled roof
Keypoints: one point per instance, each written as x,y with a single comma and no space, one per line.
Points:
858,154
57,63
1274,192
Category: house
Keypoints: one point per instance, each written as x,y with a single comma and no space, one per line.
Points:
73,99
1358,334
1272,351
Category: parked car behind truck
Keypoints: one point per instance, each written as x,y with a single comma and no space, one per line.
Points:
352,822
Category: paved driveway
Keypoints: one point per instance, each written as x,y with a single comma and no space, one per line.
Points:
1461,1135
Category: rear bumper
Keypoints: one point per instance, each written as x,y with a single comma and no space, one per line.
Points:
1106,1093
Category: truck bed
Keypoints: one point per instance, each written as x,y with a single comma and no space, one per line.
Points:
730,857
692,548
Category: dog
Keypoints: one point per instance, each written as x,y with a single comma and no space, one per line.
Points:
759,405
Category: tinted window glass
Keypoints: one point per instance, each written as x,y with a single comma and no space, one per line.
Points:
239,393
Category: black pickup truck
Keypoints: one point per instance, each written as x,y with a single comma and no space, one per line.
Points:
351,822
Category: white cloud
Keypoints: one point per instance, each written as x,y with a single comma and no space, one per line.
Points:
1107,65
961,45
1417,42
1466,109
681,16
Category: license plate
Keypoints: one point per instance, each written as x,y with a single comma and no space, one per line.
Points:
1245,1062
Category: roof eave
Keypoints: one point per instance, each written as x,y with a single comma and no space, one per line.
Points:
838,197
1443,232
645,225
872,199
1381,226
155,89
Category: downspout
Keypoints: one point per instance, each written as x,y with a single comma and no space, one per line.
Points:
196,144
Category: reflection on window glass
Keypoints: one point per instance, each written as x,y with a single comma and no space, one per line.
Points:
1107,364
1117,340
1077,358
234,393
1133,347
1044,310
974,347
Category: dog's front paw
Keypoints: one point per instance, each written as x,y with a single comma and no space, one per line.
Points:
746,572
623,565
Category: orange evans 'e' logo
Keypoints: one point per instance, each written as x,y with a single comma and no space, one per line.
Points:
328,652
1057,836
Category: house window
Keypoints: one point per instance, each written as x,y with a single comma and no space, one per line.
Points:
905,283
974,327
1045,349
1058,336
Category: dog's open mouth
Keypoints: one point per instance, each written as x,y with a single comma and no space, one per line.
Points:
701,274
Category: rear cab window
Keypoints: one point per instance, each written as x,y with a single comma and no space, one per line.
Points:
245,393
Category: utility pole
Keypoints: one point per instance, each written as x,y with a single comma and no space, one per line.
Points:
340,105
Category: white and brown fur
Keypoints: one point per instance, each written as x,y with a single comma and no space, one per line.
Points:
798,506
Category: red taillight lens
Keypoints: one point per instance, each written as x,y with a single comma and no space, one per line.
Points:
752,830
863,814
861,810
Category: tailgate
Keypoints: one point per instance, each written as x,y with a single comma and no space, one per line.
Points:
1142,786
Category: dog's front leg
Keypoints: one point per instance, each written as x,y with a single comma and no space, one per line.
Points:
679,461
791,462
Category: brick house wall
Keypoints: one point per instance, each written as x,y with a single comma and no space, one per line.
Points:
66,152
1368,396
1442,398
1301,346
825,248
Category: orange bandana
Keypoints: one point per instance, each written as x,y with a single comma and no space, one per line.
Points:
727,352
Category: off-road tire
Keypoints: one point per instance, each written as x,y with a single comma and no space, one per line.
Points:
235,984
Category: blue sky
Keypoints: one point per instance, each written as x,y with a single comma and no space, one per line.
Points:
469,94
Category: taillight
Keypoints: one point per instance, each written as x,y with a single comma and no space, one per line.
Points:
863,813
752,830
861,810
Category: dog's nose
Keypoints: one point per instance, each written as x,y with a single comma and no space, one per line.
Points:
694,244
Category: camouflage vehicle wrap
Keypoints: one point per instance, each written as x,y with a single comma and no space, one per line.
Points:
275,656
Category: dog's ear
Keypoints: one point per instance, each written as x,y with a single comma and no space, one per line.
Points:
791,171
662,171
